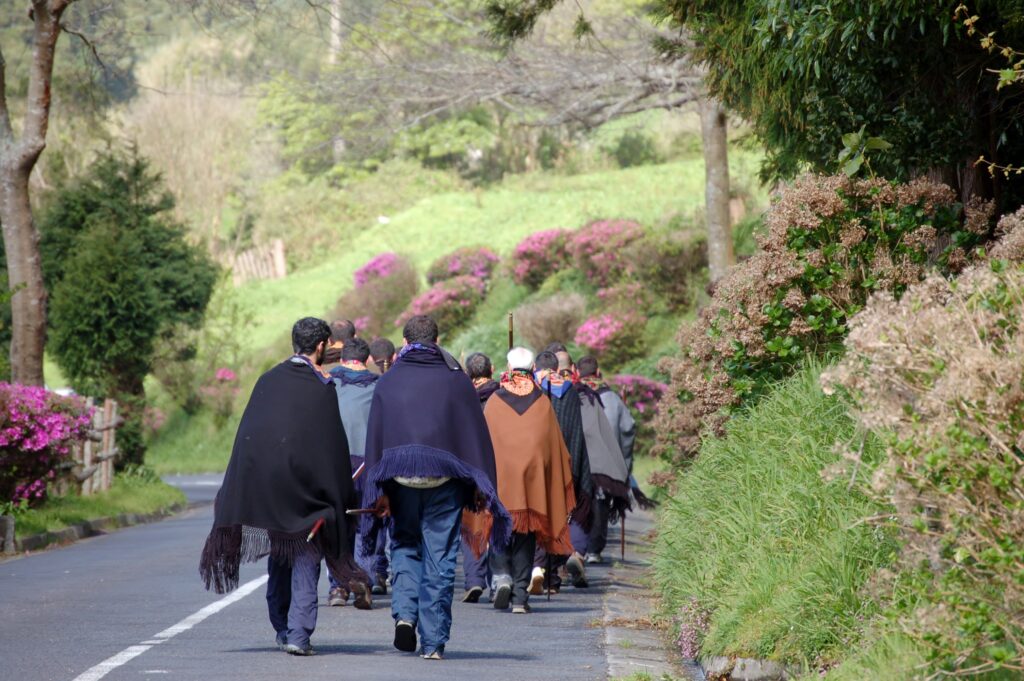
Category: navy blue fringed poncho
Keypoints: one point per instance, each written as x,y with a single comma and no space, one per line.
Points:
426,421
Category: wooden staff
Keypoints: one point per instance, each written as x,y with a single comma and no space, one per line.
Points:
622,536
511,332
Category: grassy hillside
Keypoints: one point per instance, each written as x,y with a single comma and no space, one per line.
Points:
499,217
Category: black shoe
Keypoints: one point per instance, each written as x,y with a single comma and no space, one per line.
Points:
502,596
380,586
405,636
574,566
473,594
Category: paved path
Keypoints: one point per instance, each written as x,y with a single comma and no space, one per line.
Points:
130,605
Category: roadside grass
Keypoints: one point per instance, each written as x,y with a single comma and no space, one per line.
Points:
128,494
778,555
193,444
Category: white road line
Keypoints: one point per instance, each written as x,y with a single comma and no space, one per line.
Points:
130,653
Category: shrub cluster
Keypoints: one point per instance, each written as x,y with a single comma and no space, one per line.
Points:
641,395
598,249
941,371
550,319
538,256
830,242
666,264
383,287
37,429
473,261
451,302
614,338
219,395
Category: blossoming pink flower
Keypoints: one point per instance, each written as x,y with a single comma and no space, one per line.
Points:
225,374
378,267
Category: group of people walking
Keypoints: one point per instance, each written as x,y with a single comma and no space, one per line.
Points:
387,465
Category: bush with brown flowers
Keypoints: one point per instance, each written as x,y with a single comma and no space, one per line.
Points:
940,371
830,243
383,287
550,319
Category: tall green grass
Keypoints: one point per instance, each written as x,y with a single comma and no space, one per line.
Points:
778,554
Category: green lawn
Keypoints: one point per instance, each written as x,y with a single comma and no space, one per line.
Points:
132,494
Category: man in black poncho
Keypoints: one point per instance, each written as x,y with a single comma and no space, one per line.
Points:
429,461
286,489
568,410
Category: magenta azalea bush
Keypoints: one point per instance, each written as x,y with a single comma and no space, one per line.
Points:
597,249
641,394
384,286
614,338
473,261
379,266
219,395
451,302
37,431
540,255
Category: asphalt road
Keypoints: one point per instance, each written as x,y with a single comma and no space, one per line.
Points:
130,605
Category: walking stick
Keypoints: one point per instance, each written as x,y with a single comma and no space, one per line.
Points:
511,334
548,589
622,536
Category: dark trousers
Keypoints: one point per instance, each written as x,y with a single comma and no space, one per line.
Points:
374,565
292,598
514,565
551,564
596,540
476,570
425,539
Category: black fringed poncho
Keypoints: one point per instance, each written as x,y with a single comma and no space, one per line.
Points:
289,468
566,402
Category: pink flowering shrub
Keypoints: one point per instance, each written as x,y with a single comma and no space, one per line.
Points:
473,261
383,288
614,338
451,302
37,430
597,249
379,266
219,395
641,395
540,255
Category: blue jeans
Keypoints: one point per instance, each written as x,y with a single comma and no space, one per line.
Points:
425,542
292,597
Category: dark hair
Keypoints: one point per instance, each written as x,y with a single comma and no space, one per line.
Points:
342,330
356,349
420,329
383,352
478,365
587,366
307,333
555,346
546,360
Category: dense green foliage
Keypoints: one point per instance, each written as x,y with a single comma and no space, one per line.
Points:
121,273
806,73
778,555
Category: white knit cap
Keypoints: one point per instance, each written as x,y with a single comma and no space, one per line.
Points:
520,358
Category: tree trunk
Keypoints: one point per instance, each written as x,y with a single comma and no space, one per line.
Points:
716,188
334,48
17,159
25,277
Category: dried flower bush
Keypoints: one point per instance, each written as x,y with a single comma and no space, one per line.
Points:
830,242
538,256
598,249
550,319
941,371
474,261
384,286
451,303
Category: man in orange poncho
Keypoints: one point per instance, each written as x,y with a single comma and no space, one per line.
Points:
534,479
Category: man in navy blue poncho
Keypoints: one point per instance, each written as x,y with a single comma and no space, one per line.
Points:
432,460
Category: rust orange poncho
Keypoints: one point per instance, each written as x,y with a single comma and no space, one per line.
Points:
533,468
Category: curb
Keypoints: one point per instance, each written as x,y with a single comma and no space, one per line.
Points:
92,528
746,669
634,645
